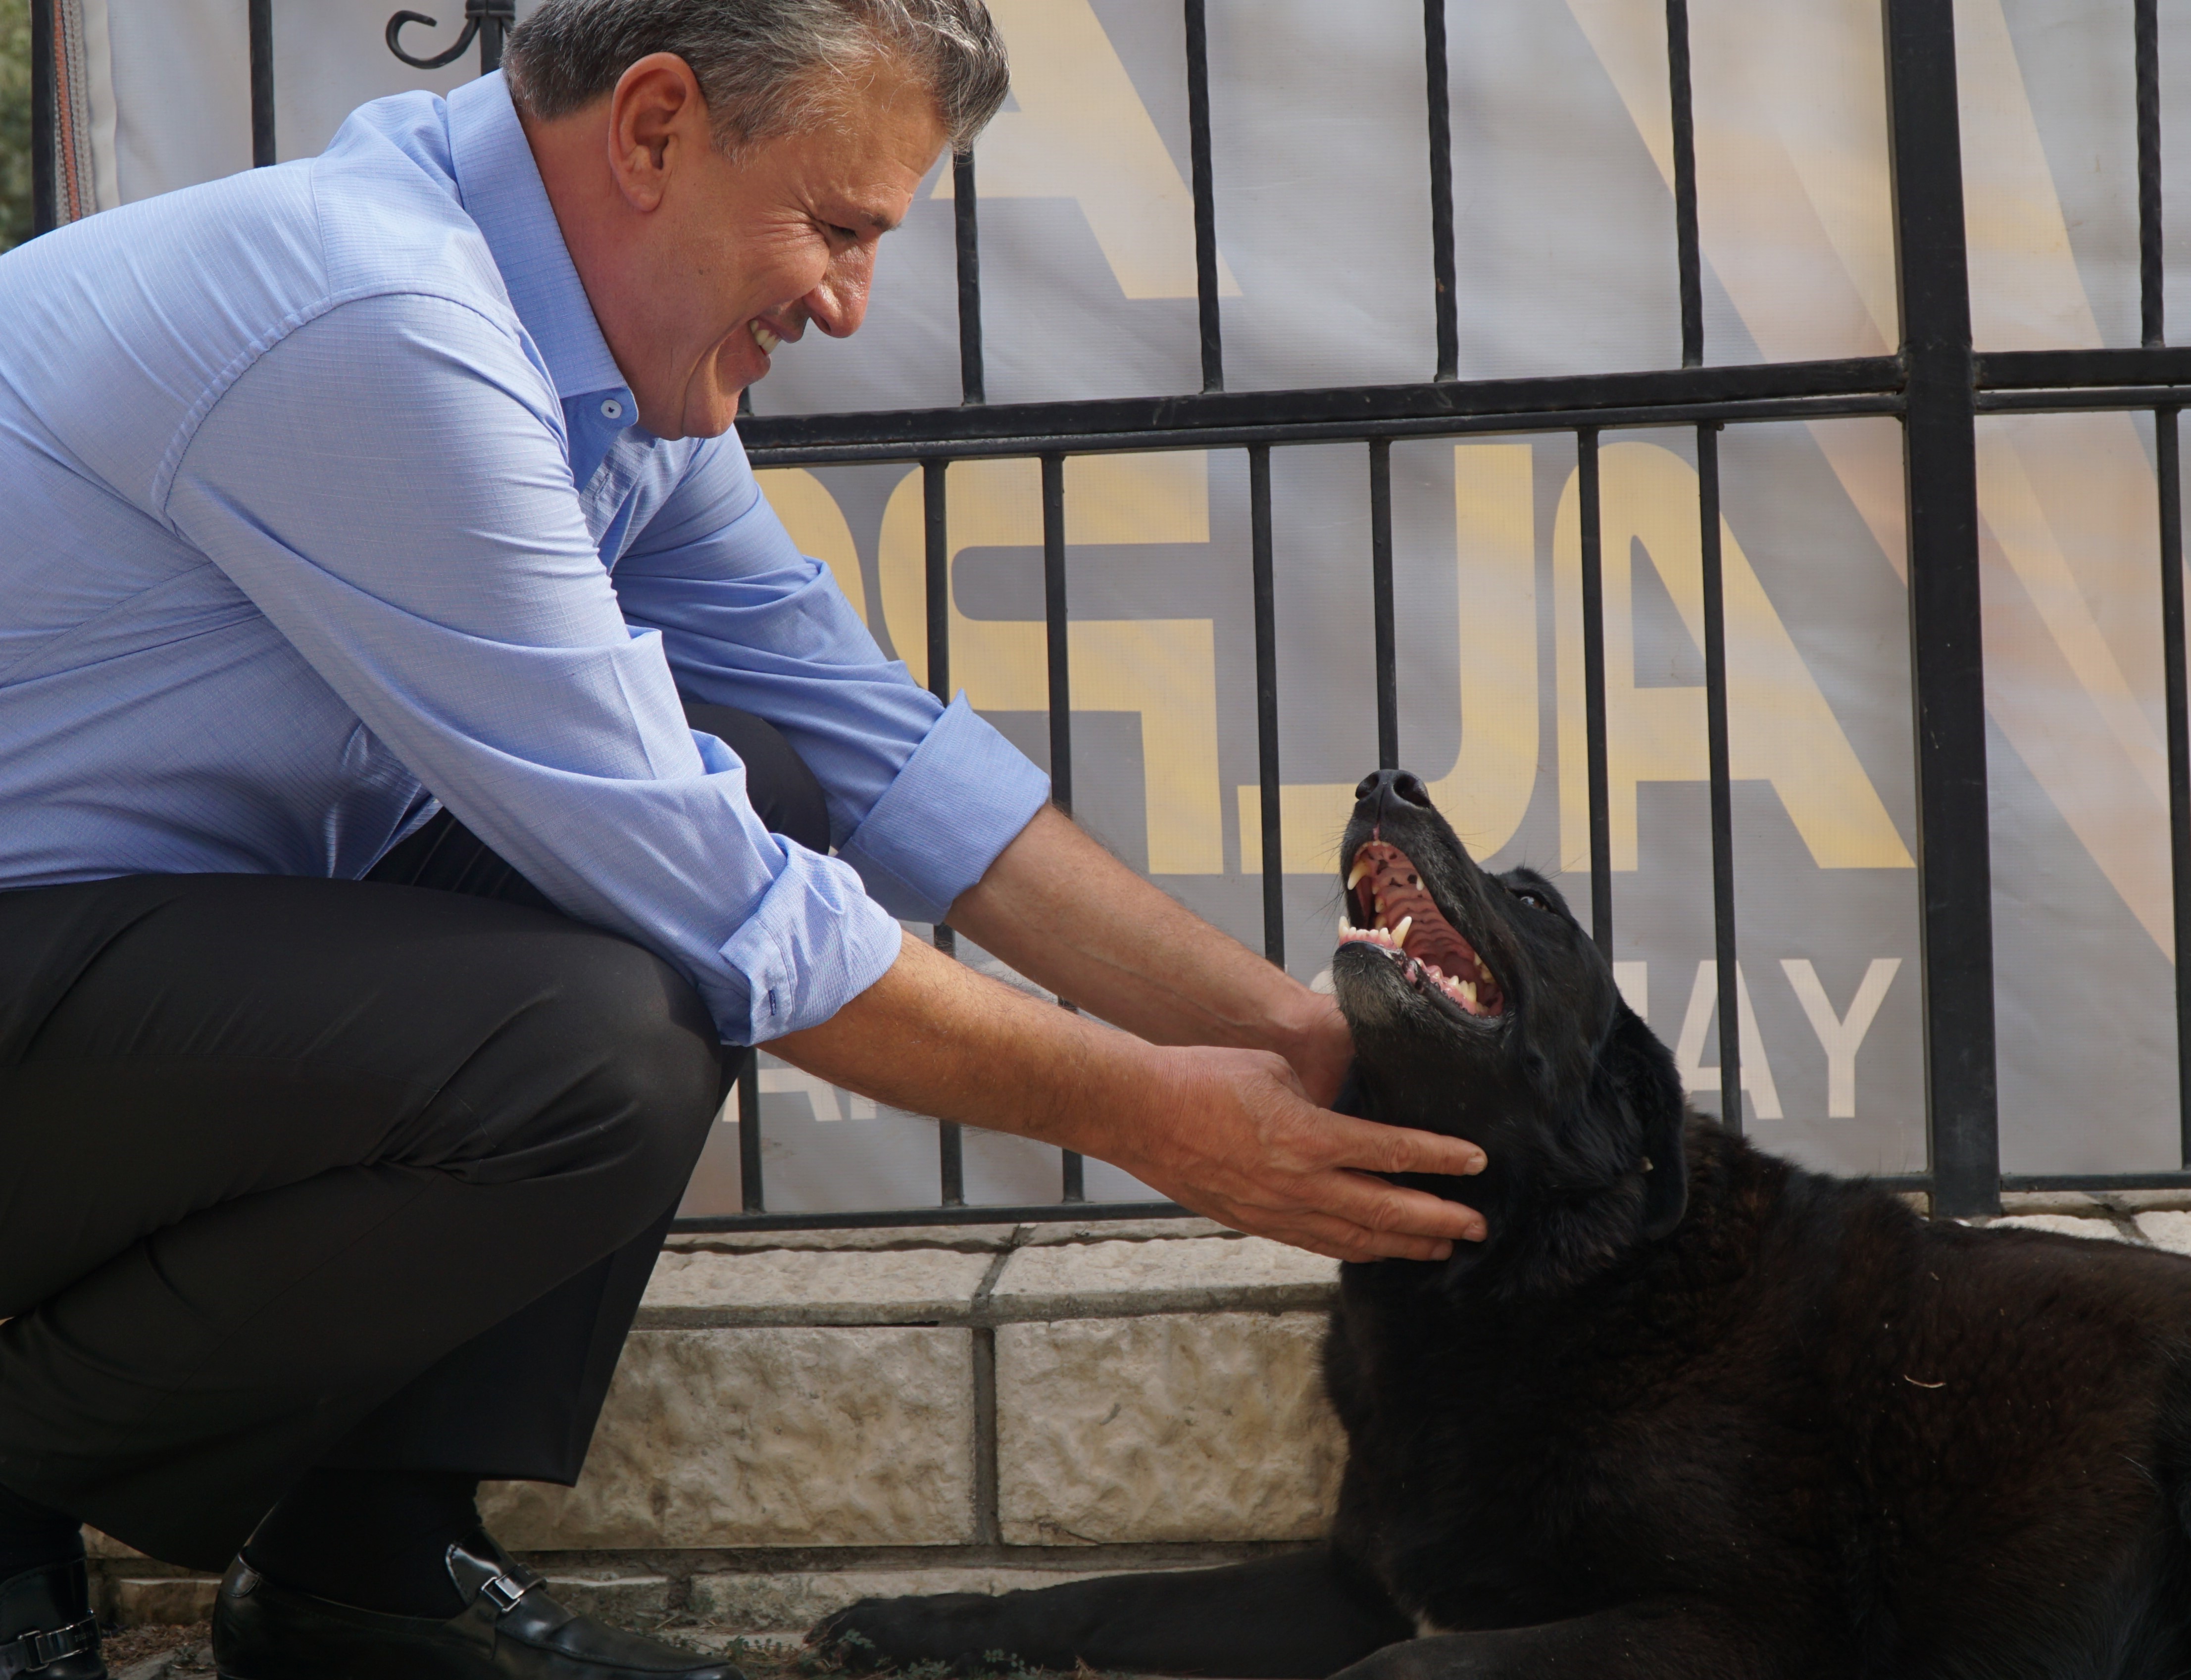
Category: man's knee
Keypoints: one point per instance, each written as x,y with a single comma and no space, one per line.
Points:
619,1067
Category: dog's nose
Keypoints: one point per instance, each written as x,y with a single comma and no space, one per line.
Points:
1395,784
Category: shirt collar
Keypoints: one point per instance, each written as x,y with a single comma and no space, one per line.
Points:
501,192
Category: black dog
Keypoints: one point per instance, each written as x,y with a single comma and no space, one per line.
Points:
1689,1411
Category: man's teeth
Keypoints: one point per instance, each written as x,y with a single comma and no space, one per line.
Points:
767,340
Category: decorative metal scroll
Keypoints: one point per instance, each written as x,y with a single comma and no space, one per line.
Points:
488,20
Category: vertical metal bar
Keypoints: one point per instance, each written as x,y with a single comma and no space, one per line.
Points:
1687,251
1593,692
752,1196
1723,789
1438,97
936,522
495,18
951,1164
1205,195
1055,632
262,84
1266,702
45,121
1380,598
950,1145
973,383
2168,450
1947,653
2147,29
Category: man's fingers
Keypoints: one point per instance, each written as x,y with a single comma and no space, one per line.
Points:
1377,1147
1392,1210
1320,1233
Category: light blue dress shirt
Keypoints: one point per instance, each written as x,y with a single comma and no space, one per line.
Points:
322,499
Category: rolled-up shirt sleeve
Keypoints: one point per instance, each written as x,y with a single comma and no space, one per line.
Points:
922,797
443,584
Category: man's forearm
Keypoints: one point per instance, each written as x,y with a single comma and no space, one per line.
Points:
1229,1132
1057,907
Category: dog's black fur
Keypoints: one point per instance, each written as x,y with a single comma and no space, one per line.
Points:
1690,1412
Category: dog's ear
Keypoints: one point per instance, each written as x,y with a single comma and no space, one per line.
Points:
1643,1071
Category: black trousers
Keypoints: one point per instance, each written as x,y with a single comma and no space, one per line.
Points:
356,1173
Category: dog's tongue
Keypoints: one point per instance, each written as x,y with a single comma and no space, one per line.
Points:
1393,900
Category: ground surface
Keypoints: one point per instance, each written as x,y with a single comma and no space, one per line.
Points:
169,1652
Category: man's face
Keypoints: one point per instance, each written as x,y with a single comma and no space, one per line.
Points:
731,256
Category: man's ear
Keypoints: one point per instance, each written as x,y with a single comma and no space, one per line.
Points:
1643,1071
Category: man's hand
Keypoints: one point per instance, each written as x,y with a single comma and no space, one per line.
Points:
1231,1133
1246,1146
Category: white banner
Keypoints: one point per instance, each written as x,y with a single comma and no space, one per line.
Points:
1562,164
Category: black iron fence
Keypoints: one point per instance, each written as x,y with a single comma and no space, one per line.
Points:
1935,384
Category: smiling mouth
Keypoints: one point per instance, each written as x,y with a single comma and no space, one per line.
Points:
1393,913
767,340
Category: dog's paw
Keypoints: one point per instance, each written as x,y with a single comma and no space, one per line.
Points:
949,1633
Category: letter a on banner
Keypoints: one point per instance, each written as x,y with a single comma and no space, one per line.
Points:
1081,132
1780,729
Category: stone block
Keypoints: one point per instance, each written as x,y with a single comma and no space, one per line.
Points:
97,1545
2064,1224
628,1601
137,1601
1179,1274
773,1436
2017,1202
2170,1231
1053,1232
813,1287
874,1238
1201,1426
794,1601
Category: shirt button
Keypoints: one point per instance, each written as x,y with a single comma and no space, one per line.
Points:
612,410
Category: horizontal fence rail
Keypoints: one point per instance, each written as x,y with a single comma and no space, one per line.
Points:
1936,386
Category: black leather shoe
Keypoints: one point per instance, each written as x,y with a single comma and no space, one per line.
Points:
509,1629
46,1625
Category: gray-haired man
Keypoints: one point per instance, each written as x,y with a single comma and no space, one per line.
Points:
421,752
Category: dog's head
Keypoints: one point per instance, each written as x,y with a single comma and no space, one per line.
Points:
1480,1009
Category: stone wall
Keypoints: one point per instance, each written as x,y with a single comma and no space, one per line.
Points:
804,1418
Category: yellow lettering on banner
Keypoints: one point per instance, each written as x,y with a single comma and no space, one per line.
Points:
1487,793
809,513
1163,669
1081,132
1779,728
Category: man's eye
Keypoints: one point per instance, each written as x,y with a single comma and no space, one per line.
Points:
844,233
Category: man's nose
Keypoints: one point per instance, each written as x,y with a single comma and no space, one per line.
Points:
1387,790
839,304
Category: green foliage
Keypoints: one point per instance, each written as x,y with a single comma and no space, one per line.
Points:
14,123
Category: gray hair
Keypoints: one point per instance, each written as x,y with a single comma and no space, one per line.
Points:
766,67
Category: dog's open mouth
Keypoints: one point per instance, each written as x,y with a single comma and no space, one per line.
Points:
1392,911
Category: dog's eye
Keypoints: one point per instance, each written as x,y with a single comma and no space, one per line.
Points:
1534,899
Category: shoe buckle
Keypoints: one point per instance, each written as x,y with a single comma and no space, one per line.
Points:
42,1648
506,1591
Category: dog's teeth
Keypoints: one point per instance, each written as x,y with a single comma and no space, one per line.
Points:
1354,875
1400,932
1468,992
